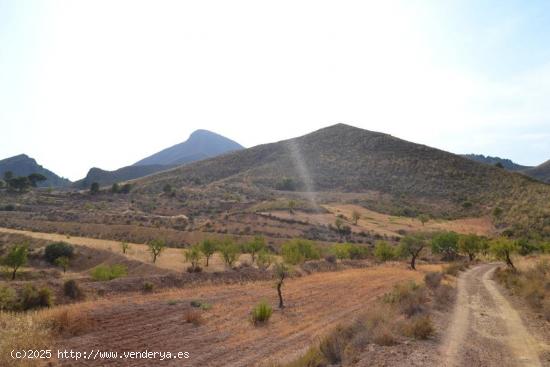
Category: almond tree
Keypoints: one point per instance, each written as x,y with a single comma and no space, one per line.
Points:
413,246
16,257
155,248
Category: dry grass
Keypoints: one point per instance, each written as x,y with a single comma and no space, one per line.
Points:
193,316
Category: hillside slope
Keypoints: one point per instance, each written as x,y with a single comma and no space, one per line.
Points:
200,145
104,177
506,163
541,172
23,165
343,158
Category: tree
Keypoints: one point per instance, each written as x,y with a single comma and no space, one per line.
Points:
281,272
193,255
298,250
62,262
8,175
470,245
35,178
265,259
343,230
16,257
423,218
56,250
94,188
503,248
383,251
445,243
20,183
115,189
126,188
291,206
413,245
124,246
229,251
155,248
355,215
255,246
208,247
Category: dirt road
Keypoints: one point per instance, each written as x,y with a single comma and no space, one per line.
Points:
486,330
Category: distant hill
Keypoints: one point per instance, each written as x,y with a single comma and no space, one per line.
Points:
200,145
104,177
506,163
541,172
23,165
343,158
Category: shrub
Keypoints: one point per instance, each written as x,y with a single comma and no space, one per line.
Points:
33,298
200,304
297,251
193,316
229,251
409,298
358,252
341,250
454,268
332,347
8,299
384,252
419,327
261,313
148,287
70,322
264,260
105,272
58,249
72,290
443,296
433,279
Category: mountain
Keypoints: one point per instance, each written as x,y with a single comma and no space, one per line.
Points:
541,172
104,177
402,176
506,163
200,145
23,165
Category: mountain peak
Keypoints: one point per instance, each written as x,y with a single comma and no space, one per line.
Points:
201,144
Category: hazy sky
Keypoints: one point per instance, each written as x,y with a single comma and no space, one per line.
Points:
106,83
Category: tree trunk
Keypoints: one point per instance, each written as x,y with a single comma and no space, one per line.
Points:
471,256
281,304
413,261
509,261
207,258
13,274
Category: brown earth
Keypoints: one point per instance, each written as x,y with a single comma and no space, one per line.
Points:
315,304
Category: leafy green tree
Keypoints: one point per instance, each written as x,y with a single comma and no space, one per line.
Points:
470,245
503,249
412,245
193,255
383,251
115,189
445,243
342,250
58,249
208,247
298,250
155,248
16,258
62,262
255,246
35,178
94,188
229,251
264,260
20,183
282,271
423,218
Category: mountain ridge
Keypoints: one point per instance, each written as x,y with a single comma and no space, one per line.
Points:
23,165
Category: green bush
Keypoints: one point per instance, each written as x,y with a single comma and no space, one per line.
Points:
297,251
8,299
148,287
33,298
383,251
56,250
105,272
261,313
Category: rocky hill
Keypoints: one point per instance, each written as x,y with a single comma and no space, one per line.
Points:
23,165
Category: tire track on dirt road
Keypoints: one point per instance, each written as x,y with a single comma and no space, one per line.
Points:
486,330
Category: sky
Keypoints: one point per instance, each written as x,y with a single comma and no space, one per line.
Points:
105,83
